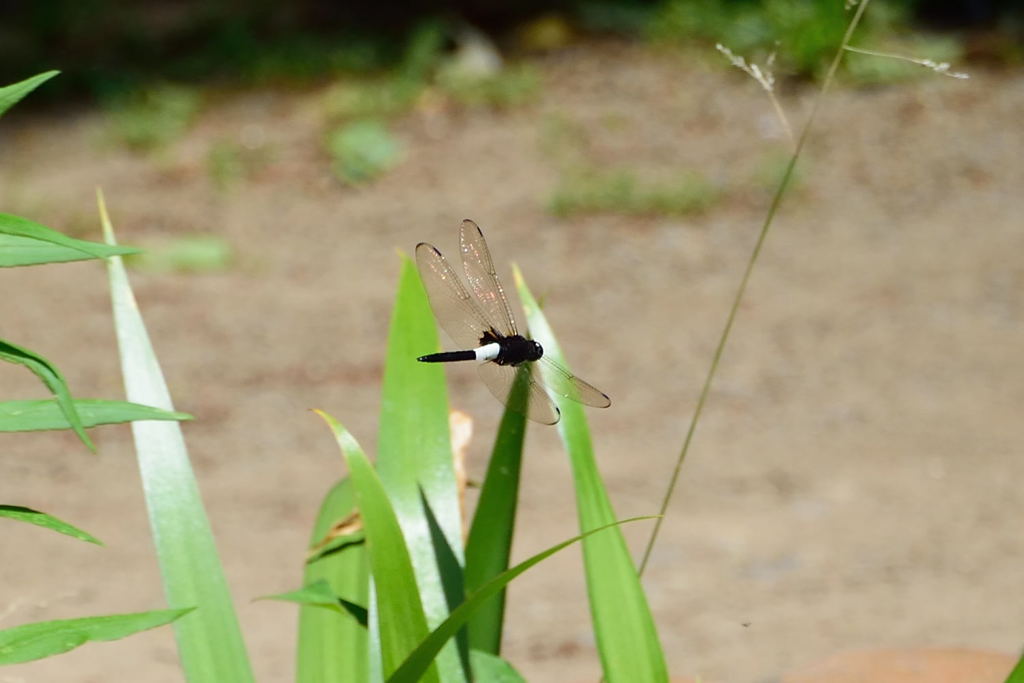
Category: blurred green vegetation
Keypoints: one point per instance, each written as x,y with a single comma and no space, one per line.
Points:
592,190
152,117
110,47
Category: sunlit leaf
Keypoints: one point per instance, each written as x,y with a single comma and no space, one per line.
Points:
23,514
54,381
12,94
46,638
626,635
210,645
28,416
401,621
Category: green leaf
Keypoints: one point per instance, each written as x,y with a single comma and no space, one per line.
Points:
29,416
493,669
415,459
490,535
331,648
1017,675
210,644
12,94
320,594
46,638
402,622
23,514
26,243
412,668
626,635
51,377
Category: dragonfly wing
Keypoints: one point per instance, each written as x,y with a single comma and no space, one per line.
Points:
456,311
563,383
500,379
483,279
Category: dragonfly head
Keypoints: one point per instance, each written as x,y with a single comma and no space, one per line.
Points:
535,351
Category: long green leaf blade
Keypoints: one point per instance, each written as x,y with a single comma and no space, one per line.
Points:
626,635
210,644
53,379
43,414
46,638
412,668
400,614
332,648
26,243
415,458
12,94
490,536
24,514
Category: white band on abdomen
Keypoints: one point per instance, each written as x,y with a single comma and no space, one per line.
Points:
487,351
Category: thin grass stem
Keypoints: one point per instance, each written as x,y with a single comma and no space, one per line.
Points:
741,290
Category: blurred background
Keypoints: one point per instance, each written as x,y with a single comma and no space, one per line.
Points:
853,482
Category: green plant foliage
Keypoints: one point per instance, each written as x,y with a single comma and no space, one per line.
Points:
152,117
1017,675
417,662
43,414
363,151
329,648
210,644
54,381
414,458
47,638
186,254
591,190
623,626
26,243
509,87
802,33
320,594
24,514
489,544
401,620
12,94
493,669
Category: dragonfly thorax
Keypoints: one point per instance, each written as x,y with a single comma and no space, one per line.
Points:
513,350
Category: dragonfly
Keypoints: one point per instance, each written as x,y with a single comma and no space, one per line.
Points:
482,324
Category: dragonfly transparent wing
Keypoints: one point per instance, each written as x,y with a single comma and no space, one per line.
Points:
483,280
500,379
563,383
455,309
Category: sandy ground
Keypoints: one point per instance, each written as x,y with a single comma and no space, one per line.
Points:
855,481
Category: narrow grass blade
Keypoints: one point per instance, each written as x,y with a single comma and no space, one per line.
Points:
26,243
415,458
626,635
333,648
417,662
54,381
320,595
400,615
47,638
210,644
43,414
23,514
490,535
12,94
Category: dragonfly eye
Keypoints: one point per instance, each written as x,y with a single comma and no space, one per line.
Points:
536,352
